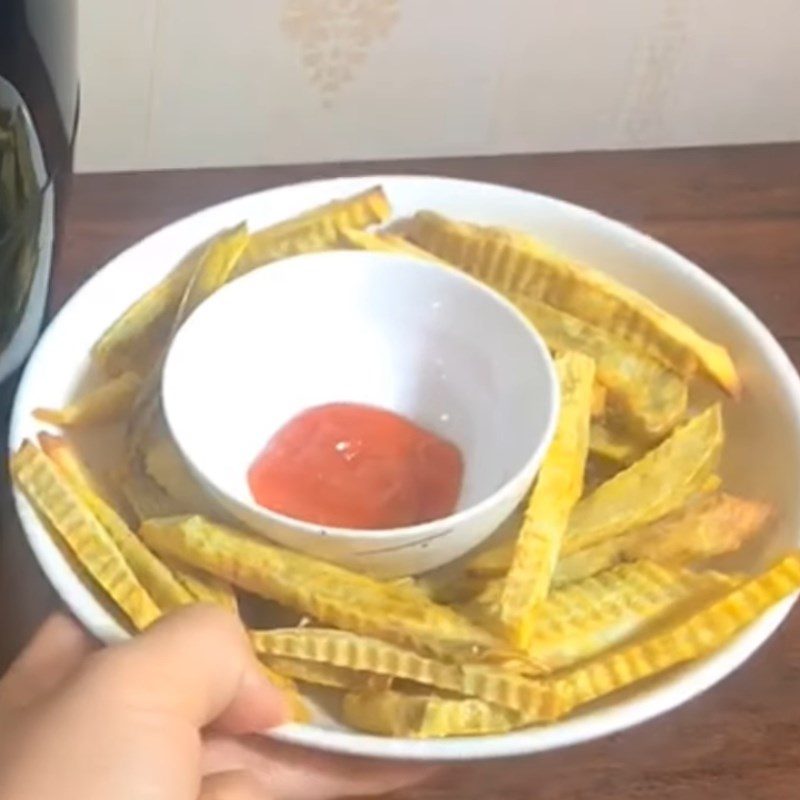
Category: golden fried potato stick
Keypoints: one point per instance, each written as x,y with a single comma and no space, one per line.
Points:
618,447
213,270
109,402
320,674
396,713
53,496
137,336
661,481
145,497
648,398
428,716
164,463
328,593
153,574
315,229
204,588
697,635
366,654
599,400
493,562
585,618
520,265
381,242
709,526
298,709
558,487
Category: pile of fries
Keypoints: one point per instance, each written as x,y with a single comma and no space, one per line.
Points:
596,582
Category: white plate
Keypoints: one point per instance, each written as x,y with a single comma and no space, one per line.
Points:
762,457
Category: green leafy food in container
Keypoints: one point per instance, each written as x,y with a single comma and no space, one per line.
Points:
20,217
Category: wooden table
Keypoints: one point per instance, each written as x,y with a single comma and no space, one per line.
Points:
736,212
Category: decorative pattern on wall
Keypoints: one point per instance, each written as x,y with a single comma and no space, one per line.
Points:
335,36
655,77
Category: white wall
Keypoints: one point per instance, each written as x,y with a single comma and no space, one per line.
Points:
184,83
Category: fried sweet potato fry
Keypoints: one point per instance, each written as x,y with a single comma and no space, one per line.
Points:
316,229
618,447
164,463
520,265
428,716
330,594
298,709
558,487
320,674
599,400
145,497
397,713
585,618
204,588
695,636
367,654
53,496
153,574
658,483
709,526
137,337
492,562
213,270
382,242
109,402
648,398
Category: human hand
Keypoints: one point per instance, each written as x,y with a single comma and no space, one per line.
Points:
164,716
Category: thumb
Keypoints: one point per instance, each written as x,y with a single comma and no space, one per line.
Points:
237,785
197,665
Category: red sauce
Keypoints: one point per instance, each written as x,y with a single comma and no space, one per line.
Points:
355,466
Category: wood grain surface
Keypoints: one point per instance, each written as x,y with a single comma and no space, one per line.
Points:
734,211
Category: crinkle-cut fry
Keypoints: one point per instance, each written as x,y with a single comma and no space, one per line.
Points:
137,336
381,242
709,526
145,497
428,716
215,267
153,574
648,398
616,446
108,402
321,674
593,615
298,710
328,593
599,400
356,239
405,246
558,487
520,265
164,463
315,229
695,636
656,484
204,588
52,495
725,522
493,562
495,684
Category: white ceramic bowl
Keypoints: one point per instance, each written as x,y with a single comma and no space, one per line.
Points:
761,459
390,331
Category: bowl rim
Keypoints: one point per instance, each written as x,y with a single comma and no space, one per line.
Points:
592,724
422,529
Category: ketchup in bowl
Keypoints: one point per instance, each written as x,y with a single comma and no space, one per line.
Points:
348,465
